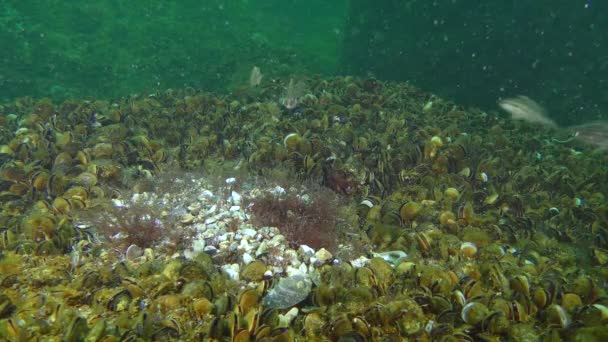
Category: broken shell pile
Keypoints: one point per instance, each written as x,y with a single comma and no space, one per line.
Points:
222,230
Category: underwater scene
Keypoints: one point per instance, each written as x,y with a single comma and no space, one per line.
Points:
346,170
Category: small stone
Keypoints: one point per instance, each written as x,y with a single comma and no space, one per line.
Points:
224,245
247,258
205,195
323,256
360,262
189,254
222,215
232,270
187,218
194,207
301,270
276,240
233,247
249,232
244,245
262,248
292,257
306,252
211,250
198,245
210,210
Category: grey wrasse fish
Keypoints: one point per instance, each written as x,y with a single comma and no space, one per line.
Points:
593,133
524,108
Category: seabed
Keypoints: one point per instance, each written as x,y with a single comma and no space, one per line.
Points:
338,209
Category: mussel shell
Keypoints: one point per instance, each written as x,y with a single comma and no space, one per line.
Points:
520,284
242,335
557,316
6,306
248,299
474,313
169,330
592,315
77,330
119,301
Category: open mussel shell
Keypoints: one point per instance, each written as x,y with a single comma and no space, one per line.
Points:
474,313
120,301
77,330
6,306
557,316
248,300
592,315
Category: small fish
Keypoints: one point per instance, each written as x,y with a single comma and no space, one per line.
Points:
593,133
255,77
524,108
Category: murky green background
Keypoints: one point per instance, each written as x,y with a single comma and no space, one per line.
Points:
554,51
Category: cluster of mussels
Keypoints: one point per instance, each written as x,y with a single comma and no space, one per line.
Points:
480,228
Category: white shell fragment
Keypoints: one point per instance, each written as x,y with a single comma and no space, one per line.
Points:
205,195
278,191
393,257
236,198
360,262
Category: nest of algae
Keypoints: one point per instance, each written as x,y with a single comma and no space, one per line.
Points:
436,222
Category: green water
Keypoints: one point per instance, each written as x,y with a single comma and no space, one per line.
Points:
552,51
115,48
